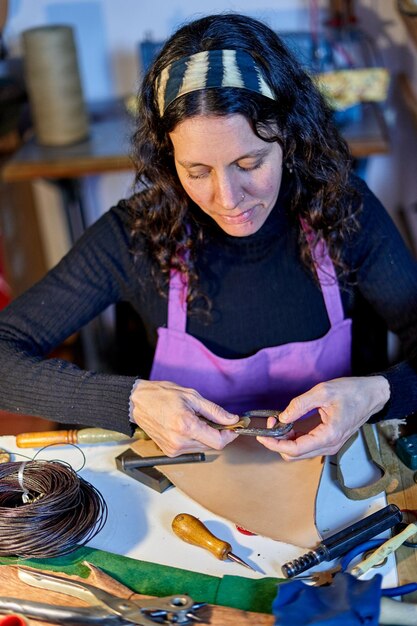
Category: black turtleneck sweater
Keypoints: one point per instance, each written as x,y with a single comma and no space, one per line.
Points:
261,296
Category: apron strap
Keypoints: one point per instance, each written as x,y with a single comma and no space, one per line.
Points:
361,493
326,275
328,283
177,301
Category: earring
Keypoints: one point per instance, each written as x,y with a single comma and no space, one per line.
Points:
290,166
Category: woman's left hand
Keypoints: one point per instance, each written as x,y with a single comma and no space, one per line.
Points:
344,405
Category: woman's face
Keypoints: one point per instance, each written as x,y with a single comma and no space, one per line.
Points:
229,172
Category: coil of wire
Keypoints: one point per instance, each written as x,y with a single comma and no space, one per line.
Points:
46,509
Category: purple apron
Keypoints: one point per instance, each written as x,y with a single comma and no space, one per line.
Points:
271,377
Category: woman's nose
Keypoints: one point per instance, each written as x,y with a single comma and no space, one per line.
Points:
228,192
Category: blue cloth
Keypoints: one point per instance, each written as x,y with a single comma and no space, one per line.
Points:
346,602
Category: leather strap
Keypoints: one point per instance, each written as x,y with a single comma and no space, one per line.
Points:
367,491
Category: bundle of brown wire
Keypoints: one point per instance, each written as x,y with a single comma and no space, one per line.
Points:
46,509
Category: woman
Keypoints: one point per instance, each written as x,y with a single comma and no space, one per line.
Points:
251,253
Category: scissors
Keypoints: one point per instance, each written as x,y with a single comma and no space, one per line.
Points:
106,609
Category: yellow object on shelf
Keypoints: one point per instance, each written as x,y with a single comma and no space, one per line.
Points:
345,88
131,104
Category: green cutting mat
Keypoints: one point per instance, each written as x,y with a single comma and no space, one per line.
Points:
161,580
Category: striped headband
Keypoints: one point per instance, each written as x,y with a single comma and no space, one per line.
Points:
208,69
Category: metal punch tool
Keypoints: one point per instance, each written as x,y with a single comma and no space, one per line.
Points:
279,430
106,608
242,427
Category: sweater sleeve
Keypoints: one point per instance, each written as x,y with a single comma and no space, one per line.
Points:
94,274
387,277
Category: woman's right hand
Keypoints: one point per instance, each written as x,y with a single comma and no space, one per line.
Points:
168,413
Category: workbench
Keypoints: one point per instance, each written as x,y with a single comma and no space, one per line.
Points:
139,519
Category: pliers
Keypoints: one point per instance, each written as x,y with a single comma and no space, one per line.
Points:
325,577
106,610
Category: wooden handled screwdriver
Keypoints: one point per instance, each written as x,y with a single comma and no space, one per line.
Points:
190,529
84,435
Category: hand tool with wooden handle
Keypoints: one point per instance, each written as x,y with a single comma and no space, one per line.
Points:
84,435
190,529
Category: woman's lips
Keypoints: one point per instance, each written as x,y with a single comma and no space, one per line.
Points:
241,218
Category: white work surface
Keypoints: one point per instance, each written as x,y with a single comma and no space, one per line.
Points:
139,518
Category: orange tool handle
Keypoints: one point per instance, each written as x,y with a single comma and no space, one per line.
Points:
83,435
48,437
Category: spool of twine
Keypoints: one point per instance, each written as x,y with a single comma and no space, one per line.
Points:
46,509
54,85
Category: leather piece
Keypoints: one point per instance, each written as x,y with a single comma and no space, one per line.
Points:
252,487
379,485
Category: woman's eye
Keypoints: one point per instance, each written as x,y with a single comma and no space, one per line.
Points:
249,167
243,167
196,176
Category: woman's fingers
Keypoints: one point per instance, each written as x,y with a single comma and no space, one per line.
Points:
212,437
211,411
316,397
169,415
344,405
303,446
200,430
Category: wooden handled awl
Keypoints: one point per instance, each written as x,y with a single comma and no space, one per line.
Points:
190,529
84,435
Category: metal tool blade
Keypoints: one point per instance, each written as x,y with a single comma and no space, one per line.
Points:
276,431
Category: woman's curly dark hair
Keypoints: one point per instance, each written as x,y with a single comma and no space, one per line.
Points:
301,121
